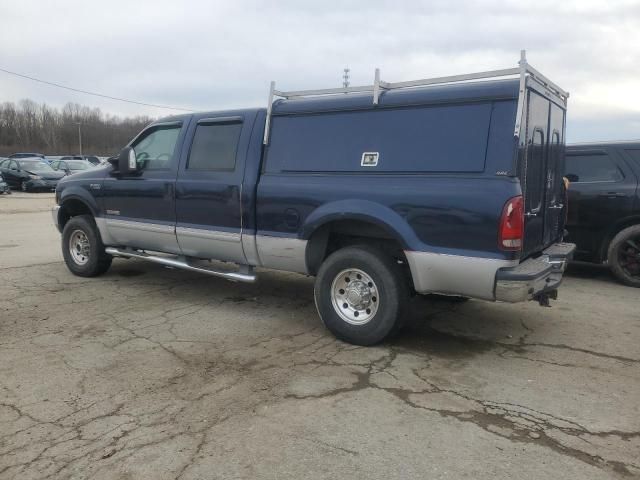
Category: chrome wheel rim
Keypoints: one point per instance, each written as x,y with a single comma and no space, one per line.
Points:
79,247
355,296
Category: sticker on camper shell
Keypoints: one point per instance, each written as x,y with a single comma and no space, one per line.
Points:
369,159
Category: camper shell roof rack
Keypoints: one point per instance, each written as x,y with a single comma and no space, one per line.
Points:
523,70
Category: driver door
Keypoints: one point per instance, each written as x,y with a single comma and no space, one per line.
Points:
139,208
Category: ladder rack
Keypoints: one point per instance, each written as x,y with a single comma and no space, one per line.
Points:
522,70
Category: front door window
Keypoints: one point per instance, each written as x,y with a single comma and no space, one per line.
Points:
155,148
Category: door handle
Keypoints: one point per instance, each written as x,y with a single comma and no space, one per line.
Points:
533,212
557,207
612,195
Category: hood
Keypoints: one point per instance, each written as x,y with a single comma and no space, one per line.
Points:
47,175
96,173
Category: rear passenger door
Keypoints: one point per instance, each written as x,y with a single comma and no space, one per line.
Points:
209,188
601,192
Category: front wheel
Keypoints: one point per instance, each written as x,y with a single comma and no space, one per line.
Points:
361,295
23,186
624,256
82,247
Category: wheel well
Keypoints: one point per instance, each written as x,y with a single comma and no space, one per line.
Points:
72,208
341,233
629,222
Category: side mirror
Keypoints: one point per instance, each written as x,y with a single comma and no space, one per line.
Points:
125,162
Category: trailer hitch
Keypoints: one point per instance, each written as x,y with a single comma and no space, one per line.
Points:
544,297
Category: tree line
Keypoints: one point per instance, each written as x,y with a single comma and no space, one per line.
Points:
32,127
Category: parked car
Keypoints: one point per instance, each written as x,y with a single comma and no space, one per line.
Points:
378,195
4,186
92,159
604,205
29,174
27,155
70,167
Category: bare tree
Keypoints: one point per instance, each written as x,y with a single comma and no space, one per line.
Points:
32,127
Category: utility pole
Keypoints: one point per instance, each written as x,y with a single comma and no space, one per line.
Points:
345,78
80,136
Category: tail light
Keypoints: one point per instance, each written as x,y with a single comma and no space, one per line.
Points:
511,230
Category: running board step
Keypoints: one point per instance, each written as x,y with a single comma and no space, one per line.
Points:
245,274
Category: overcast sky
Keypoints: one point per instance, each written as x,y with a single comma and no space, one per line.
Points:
208,55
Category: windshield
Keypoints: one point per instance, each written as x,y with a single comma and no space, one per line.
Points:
35,166
77,165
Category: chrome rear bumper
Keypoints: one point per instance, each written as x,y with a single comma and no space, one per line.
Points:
535,276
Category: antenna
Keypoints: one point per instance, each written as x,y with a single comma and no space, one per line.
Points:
345,78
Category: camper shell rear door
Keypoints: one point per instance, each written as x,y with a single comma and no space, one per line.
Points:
541,167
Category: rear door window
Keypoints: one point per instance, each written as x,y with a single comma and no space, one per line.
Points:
590,168
215,146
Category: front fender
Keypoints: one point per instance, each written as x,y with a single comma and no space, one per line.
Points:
363,210
80,193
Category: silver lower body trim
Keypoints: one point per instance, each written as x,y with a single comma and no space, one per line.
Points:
282,253
455,274
216,235
101,223
250,249
221,245
54,214
143,235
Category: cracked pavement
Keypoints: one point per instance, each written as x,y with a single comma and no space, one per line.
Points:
148,372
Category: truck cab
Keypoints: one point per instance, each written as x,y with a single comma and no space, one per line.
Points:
450,186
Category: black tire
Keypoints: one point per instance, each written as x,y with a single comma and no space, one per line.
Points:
97,261
624,256
389,303
23,186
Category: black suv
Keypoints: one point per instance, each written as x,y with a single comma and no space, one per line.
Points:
604,205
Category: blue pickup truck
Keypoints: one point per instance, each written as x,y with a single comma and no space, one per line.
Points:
450,186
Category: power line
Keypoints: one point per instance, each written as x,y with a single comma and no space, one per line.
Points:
93,93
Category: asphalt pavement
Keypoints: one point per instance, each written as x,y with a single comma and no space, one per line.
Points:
153,373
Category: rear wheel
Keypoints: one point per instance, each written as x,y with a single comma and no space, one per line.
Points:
83,249
624,256
361,295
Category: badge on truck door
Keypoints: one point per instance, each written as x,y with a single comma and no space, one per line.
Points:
369,159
